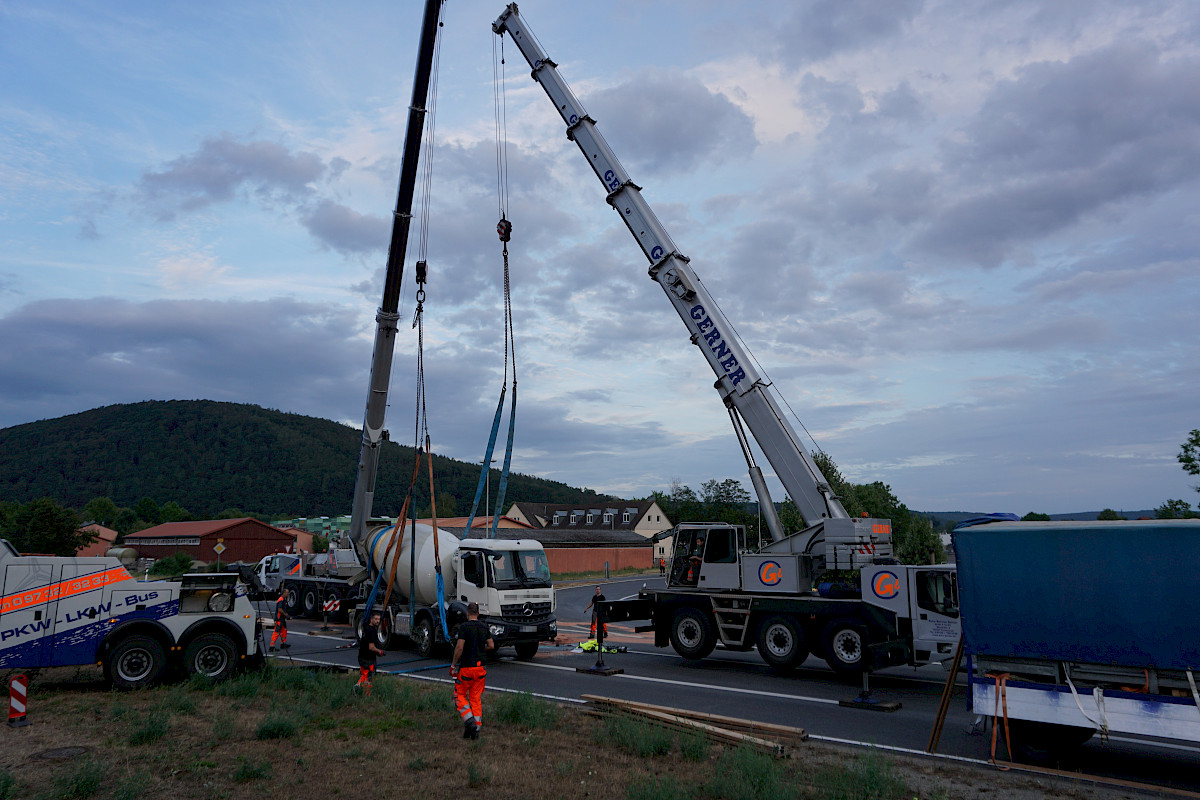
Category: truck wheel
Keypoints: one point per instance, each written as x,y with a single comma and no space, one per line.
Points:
422,636
135,662
781,643
526,650
692,634
291,601
309,604
212,655
383,634
846,648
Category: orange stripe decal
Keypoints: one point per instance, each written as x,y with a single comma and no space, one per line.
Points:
67,588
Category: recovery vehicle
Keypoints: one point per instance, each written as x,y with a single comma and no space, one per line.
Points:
833,587
61,611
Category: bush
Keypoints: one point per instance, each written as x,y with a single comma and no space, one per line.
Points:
176,564
869,778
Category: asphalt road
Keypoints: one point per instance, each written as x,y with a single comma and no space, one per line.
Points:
740,685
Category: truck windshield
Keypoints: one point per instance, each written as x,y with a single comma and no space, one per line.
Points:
519,569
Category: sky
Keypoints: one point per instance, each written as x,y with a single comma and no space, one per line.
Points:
960,237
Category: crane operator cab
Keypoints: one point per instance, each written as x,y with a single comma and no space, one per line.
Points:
704,554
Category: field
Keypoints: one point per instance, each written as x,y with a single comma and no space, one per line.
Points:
296,733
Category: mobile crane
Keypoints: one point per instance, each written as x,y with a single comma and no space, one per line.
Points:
772,599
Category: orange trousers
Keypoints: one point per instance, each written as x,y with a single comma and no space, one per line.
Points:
468,693
280,630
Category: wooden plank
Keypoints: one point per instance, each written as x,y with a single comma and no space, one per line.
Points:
716,719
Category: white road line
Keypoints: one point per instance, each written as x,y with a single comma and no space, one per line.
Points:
801,698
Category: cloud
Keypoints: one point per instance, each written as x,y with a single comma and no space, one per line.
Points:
345,230
1063,140
68,355
220,168
818,29
665,123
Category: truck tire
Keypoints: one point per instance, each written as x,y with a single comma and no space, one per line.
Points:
135,662
310,605
692,634
422,637
291,600
846,648
781,642
383,634
526,650
210,655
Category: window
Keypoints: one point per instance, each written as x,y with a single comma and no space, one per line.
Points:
937,591
574,517
590,518
625,517
608,518
722,547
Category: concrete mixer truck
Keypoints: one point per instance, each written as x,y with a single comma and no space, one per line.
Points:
508,578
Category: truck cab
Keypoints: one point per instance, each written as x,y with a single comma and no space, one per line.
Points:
510,580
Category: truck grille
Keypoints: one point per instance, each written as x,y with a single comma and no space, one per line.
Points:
525,613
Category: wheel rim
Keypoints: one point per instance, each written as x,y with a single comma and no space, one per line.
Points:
780,641
134,665
847,646
688,632
211,661
424,636
310,602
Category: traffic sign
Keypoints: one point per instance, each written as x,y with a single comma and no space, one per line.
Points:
218,548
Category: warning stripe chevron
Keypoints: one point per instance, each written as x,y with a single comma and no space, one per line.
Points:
57,591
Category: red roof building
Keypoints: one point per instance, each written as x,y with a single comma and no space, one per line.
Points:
246,540
104,540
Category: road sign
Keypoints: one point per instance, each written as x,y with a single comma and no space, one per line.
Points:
332,605
218,548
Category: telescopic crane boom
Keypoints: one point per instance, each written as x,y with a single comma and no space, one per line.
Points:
387,317
746,393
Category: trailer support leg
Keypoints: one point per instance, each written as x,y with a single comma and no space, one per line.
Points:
864,699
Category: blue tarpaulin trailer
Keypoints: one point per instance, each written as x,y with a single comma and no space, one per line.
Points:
1076,627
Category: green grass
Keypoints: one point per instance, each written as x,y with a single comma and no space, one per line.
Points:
745,774
247,771
82,781
870,777
665,788
8,785
276,727
523,709
152,727
636,736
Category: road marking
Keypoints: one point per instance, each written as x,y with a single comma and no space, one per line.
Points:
732,690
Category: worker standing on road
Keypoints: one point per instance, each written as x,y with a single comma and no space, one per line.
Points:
598,597
367,650
281,617
662,566
466,667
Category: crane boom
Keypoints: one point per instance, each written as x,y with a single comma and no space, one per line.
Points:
387,317
747,394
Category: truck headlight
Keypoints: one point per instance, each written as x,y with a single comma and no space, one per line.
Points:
496,630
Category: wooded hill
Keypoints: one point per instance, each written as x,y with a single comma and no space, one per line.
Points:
209,456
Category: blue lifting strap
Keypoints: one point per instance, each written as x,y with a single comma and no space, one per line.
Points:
512,426
487,461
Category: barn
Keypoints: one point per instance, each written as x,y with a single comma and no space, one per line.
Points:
246,540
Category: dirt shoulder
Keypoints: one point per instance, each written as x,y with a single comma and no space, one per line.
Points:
296,733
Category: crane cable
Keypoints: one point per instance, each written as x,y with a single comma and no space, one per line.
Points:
504,231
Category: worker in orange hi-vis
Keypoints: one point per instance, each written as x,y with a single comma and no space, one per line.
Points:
598,597
281,617
466,667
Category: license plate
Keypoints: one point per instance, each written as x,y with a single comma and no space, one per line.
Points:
528,628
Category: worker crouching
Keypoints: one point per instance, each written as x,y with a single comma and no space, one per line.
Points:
466,667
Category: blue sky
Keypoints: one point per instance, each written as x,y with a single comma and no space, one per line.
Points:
960,237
